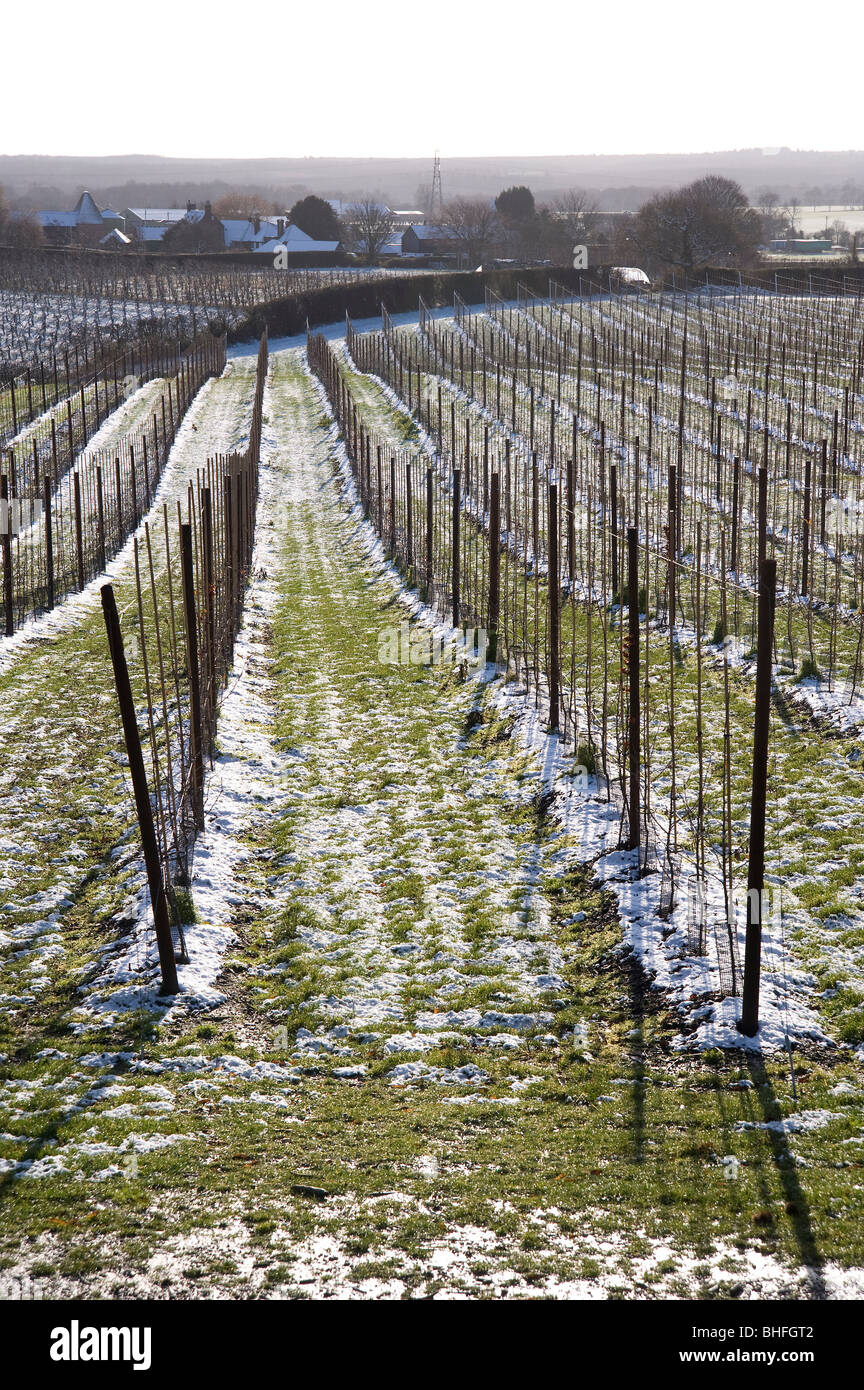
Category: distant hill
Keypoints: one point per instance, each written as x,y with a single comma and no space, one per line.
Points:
616,181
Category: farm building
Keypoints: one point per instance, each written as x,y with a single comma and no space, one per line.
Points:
295,242
408,217
84,225
137,218
248,233
422,240
149,237
811,247
393,245
115,240
199,230
342,206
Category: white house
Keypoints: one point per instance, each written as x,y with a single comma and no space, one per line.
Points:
294,241
250,233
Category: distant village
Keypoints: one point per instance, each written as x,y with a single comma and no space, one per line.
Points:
464,234
176,230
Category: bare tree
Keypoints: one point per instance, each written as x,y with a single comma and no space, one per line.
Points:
370,224
565,223
705,222
243,205
573,208
839,233
472,223
23,230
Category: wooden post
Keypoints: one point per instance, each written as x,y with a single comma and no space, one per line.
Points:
132,478
457,482
613,508
227,511
100,503
671,525
823,492
762,515
430,515
6,540
118,488
142,793
409,519
571,521
554,613
210,589
190,618
733,558
49,538
749,1021
633,670
79,534
494,565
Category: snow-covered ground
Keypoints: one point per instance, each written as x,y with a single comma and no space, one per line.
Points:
394,841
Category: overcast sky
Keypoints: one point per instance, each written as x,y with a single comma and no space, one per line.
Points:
335,78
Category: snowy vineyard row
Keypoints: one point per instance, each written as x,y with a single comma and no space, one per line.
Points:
63,515
171,656
470,474
49,304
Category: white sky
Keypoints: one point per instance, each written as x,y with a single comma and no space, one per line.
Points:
271,78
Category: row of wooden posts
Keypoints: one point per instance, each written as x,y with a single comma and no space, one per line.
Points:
74,375
59,532
803,480
479,507
183,665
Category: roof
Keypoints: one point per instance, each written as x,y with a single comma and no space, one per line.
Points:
391,247
243,229
296,241
427,233
116,235
109,212
151,233
155,215
86,210
58,219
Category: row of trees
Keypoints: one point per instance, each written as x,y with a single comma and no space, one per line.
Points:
707,222
512,226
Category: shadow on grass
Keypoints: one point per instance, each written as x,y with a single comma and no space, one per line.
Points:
138,1029
797,1206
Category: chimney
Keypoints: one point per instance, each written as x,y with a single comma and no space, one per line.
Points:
256,223
189,205
280,226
